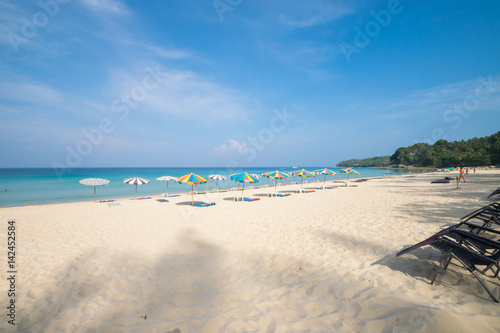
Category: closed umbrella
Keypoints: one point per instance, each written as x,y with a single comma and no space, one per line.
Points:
94,182
136,181
349,171
217,178
192,179
166,179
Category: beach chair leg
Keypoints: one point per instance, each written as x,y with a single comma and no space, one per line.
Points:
443,267
478,278
484,286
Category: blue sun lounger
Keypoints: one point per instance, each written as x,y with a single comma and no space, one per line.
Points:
251,199
305,191
203,204
279,195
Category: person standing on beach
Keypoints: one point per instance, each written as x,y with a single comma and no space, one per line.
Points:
461,176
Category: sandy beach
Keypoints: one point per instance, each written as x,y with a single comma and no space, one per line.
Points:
313,262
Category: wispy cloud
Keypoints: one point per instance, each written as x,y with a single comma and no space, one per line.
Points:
313,12
232,147
169,53
437,100
106,6
186,95
29,92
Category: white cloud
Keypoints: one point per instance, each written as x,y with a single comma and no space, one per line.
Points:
233,146
169,54
313,12
106,6
184,94
437,100
28,92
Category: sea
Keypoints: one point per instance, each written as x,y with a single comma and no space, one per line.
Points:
37,186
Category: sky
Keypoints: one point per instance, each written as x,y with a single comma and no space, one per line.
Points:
110,83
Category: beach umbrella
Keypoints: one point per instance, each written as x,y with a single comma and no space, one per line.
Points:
303,174
217,178
277,175
192,179
94,182
325,172
349,171
136,181
242,178
265,175
166,179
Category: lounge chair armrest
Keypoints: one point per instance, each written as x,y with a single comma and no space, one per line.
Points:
475,226
463,249
489,242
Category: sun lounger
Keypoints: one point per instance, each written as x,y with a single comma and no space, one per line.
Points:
203,204
246,199
111,200
468,249
495,192
278,195
251,199
143,198
305,191
488,215
440,181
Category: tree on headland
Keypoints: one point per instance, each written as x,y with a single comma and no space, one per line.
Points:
441,154
473,152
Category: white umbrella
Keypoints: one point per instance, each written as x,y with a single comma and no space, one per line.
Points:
166,178
94,182
136,181
217,178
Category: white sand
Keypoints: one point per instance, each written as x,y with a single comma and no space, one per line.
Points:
315,262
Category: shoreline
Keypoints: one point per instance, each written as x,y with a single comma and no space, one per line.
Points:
321,261
183,192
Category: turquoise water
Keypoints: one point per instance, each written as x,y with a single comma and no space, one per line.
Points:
34,186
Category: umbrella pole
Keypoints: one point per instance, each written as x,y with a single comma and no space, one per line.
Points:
167,188
94,193
135,191
324,181
242,189
347,182
192,195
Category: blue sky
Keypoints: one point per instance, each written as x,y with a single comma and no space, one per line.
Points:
251,83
